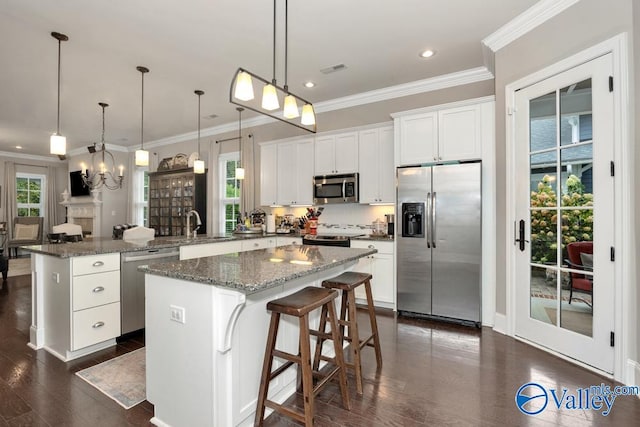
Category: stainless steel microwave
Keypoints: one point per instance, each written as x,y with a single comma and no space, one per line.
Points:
329,189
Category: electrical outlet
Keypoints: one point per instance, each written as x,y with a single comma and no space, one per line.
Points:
55,277
177,314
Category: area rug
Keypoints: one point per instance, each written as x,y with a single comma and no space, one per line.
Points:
19,266
122,378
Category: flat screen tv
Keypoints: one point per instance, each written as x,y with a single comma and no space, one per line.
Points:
78,188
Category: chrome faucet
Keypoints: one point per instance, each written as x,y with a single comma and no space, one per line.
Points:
198,223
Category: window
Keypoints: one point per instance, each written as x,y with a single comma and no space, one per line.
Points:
141,198
229,192
30,191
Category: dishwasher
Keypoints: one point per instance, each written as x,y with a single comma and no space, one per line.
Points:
132,284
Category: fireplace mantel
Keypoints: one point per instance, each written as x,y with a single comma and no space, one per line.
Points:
85,212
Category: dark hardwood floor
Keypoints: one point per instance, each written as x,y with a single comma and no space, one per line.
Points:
433,374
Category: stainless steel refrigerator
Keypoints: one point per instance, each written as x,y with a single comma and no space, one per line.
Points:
439,241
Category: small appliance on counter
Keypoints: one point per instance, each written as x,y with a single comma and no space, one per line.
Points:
118,230
391,218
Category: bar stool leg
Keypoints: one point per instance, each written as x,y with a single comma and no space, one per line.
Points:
266,367
307,374
337,347
322,327
374,324
354,336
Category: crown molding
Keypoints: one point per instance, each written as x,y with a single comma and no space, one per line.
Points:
412,88
17,155
536,15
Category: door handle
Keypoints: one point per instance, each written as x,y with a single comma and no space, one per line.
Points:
521,240
433,219
427,220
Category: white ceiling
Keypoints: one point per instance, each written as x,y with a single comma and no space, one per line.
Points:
198,44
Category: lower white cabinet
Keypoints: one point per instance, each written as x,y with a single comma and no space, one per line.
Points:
283,241
380,266
251,244
95,325
95,292
210,249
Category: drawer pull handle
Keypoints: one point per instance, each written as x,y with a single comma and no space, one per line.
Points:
98,289
256,245
371,247
97,325
98,264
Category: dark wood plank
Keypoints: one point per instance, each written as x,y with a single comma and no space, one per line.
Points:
432,374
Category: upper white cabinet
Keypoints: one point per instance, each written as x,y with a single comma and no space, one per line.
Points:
295,176
377,171
336,154
442,134
268,174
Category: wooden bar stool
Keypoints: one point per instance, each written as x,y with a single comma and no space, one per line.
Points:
348,282
299,304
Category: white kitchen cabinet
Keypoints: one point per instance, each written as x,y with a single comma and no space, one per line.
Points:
442,134
336,154
251,244
283,241
377,171
295,175
268,174
210,249
380,266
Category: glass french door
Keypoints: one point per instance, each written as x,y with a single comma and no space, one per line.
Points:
564,228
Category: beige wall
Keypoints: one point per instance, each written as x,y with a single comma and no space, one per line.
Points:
585,24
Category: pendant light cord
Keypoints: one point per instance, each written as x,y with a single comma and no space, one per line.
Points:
199,126
59,60
286,43
274,42
142,118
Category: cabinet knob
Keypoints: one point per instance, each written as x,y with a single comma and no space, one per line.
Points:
256,245
98,289
97,325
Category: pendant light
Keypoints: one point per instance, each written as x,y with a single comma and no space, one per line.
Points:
142,155
198,165
57,142
242,92
239,168
103,174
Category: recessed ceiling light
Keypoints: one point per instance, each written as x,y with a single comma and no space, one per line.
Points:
427,53
19,147
309,84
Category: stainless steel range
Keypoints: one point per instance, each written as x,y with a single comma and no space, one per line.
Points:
327,240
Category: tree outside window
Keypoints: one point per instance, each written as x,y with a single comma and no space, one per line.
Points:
30,194
230,192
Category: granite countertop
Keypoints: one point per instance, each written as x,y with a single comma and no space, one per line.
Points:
260,269
105,245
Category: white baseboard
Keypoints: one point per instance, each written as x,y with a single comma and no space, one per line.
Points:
633,373
500,323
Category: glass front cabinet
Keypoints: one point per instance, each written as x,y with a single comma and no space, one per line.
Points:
171,195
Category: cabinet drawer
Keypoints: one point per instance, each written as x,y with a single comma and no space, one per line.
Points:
382,247
96,289
95,264
95,325
249,245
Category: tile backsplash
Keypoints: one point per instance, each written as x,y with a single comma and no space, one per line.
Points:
350,218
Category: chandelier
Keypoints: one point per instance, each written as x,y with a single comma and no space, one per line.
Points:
102,175
241,91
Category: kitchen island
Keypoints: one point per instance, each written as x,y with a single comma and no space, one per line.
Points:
76,287
206,329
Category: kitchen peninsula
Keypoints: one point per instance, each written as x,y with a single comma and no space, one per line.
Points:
207,328
77,288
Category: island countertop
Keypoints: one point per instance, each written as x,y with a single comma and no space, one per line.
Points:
105,245
260,269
